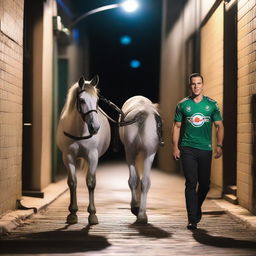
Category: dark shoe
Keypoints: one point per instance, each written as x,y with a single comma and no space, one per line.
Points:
192,226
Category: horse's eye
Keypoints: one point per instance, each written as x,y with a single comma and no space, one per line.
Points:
82,101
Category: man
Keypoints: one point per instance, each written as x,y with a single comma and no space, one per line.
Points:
195,114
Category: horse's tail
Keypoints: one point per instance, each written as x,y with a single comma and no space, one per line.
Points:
140,119
159,128
142,116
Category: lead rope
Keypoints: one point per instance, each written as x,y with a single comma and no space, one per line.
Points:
114,106
118,123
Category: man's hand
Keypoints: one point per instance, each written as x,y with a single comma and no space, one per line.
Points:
175,140
220,137
218,152
176,153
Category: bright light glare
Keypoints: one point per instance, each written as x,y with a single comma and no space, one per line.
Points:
130,5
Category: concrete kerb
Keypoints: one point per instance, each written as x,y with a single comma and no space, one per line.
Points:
12,219
237,212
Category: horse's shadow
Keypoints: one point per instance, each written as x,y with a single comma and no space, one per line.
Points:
57,241
149,230
202,236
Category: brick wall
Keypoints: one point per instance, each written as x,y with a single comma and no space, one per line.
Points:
176,63
212,71
246,89
11,58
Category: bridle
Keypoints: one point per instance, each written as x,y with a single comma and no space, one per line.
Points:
79,109
82,114
111,104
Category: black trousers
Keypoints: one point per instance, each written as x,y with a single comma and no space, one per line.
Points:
196,164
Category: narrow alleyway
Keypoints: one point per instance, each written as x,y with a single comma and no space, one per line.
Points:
118,234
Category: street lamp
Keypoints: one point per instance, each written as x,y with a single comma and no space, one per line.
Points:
128,6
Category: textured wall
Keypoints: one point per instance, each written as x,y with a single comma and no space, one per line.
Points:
11,63
175,66
212,71
246,89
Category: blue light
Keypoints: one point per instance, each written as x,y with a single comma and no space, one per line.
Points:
135,64
76,34
125,40
65,8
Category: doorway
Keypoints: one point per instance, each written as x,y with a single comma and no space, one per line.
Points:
230,98
32,13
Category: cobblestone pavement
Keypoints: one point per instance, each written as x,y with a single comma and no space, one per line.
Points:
118,234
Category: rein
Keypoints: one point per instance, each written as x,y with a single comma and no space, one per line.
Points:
112,105
77,138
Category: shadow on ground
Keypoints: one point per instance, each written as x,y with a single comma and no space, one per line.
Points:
214,213
202,236
149,230
59,241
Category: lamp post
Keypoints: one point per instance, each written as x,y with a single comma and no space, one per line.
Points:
128,6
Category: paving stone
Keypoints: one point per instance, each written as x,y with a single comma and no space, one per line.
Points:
118,234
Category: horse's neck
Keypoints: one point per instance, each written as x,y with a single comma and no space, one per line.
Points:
74,123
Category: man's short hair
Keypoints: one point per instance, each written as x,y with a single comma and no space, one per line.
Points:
195,75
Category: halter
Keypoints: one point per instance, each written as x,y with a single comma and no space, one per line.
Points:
79,109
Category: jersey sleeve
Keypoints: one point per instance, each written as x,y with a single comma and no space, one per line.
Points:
178,114
216,115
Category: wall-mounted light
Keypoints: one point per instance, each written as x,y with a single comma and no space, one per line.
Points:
58,26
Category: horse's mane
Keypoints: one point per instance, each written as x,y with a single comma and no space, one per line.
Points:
71,98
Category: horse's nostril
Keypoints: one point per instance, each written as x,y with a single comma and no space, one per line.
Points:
93,129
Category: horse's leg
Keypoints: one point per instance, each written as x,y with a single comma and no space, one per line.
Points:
145,185
133,181
91,183
69,162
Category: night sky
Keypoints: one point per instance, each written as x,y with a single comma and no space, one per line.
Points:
111,60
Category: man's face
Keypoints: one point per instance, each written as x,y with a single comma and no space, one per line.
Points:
196,85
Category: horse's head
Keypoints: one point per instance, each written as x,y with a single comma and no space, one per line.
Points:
87,98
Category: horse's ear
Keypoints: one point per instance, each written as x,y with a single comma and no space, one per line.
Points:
95,81
81,82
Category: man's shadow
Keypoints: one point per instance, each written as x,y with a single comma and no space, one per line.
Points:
58,241
149,230
202,236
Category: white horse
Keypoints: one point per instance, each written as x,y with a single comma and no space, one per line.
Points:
141,141
82,132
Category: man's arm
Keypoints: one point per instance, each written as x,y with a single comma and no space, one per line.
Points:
220,136
175,140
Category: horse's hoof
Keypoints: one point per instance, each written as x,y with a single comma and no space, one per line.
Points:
93,220
142,219
135,210
72,218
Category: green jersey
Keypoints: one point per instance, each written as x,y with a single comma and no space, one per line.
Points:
197,119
